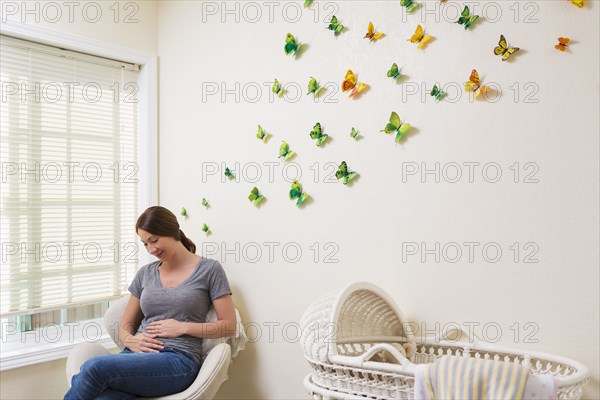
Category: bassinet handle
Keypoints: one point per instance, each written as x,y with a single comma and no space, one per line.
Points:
365,362
400,358
470,343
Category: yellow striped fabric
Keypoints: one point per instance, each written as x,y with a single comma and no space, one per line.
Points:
452,377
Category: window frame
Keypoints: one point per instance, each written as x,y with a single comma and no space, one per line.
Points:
28,351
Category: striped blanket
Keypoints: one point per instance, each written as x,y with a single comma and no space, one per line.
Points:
453,377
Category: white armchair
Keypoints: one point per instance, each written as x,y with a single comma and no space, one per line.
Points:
218,355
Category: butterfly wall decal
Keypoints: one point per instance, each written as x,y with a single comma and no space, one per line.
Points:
184,212
578,3
291,45
420,37
314,87
395,125
206,229
296,193
563,43
465,19
371,34
354,134
503,49
317,133
285,152
474,85
437,93
335,26
343,172
262,134
350,84
229,174
394,72
409,5
277,89
255,196
205,203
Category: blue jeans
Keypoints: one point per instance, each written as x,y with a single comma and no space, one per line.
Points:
129,375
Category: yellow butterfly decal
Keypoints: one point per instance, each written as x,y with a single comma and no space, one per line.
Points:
372,35
578,3
351,84
420,37
503,49
474,85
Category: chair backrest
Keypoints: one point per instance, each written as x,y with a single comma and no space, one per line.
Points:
112,319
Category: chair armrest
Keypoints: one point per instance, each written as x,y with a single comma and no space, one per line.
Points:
212,374
80,354
237,342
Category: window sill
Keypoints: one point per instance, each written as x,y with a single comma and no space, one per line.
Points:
34,347
44,353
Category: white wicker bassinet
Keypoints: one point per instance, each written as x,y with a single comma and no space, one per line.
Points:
353,343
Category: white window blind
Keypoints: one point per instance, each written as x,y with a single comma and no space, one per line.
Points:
69,184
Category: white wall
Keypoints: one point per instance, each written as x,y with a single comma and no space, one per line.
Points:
47,380
127,23
369,221
202,47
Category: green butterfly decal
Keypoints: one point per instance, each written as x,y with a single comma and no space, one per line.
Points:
314,87
291,45
285,152
465,19
396,126
205,202
335,26
437,93
229,174
394,72
297,193
262,134
206,229
277,89
354,134
255,197
184,212
308,3
317,133
410,5
343,172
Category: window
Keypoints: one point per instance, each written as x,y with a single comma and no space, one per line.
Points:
70,184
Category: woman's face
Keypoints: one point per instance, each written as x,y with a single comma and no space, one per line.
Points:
159,246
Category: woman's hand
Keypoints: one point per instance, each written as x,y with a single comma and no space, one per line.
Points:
167,328
143,343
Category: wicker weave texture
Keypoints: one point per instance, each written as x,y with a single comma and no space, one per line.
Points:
359,311
340,330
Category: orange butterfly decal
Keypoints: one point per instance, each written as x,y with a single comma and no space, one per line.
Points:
372,35
562,43
474,85
350,83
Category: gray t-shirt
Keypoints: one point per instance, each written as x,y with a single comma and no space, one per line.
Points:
187,302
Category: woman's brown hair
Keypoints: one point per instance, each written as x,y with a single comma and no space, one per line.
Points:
160,221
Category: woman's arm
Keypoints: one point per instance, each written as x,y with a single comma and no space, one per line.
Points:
224,326
140,342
